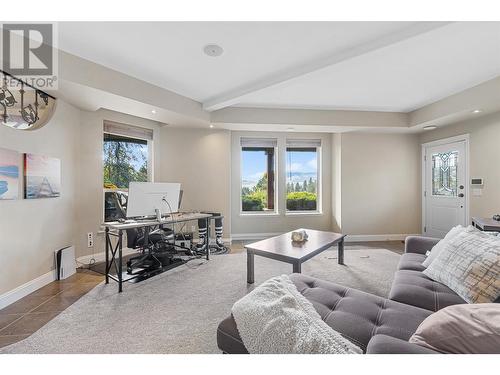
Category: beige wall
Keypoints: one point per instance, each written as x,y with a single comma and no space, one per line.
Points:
250,224
200,160
484,158
336,182
380,185
31,230
90,193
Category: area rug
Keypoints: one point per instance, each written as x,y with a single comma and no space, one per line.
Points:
178,311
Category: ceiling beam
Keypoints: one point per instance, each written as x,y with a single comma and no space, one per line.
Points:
234,97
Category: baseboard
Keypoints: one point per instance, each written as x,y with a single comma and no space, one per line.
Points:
86,260
253,236
349,238
23,290
376,237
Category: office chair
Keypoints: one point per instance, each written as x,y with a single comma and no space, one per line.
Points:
157,252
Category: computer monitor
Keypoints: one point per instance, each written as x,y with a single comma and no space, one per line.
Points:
145,197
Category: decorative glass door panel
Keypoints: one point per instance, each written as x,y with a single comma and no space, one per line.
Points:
444,174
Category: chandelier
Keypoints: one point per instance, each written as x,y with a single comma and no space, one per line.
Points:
22,106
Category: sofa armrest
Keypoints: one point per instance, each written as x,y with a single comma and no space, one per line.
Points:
419,244
382,344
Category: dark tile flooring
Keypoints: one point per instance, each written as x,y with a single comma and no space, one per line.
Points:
26,316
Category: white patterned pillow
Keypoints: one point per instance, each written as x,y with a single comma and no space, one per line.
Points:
469,264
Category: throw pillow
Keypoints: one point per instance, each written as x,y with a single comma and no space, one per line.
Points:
461,329
469,264
440,245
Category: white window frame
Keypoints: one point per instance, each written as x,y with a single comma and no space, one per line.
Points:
319,183
274,212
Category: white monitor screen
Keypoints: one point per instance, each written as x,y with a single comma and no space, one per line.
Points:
145,197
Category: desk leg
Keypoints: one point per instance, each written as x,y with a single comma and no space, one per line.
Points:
297,267
250,267
106,239
120,261
341,251
207,238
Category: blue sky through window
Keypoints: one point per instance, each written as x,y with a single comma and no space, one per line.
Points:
300,166
254,165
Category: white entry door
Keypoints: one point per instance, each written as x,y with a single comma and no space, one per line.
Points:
445,187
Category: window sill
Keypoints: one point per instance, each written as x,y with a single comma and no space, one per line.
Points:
303,213
257,213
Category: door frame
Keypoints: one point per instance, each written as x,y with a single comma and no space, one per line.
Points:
459,138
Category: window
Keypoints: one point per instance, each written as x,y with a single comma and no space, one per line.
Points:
126,158
258,175
126,153
302,177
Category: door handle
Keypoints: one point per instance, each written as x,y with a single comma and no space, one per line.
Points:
461,195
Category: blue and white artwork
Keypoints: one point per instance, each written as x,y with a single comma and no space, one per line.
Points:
9,174
42,176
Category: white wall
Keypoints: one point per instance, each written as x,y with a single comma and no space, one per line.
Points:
31,230
251,225
200,160
380,184
484,158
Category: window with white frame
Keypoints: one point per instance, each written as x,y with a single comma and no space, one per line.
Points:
258,171
126,158
303,175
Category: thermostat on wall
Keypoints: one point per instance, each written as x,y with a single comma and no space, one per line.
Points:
476,182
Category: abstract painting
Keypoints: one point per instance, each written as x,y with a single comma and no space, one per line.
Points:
42,176
9,174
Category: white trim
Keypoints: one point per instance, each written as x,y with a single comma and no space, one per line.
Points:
304,213
23,290
377,237
101,257
459,138
259,213
444,141
348,238
253,236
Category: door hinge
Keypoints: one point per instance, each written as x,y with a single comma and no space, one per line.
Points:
425,229
425,193
425,157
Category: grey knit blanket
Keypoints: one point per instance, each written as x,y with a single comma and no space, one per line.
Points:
276,318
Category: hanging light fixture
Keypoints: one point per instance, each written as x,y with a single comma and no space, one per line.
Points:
24,106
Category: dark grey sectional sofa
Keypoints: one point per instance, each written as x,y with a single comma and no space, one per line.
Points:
376,324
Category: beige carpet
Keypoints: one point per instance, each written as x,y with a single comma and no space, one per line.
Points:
178,311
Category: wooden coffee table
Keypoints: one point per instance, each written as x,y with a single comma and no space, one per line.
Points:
283,249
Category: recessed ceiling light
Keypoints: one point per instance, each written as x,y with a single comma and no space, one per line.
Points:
291,129
211,126
477,111
153,111
213,50
430,127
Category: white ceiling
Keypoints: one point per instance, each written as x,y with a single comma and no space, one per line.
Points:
387,66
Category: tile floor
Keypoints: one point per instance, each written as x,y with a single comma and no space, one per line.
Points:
24,317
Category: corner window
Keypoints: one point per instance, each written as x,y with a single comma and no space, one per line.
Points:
302,175
258,165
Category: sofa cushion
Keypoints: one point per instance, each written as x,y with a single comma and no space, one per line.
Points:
411,261
414,288
461,329
355,314
470,265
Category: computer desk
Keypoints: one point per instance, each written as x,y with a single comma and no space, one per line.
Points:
115,229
